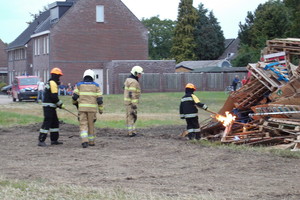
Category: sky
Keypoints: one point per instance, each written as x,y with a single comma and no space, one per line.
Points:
14,14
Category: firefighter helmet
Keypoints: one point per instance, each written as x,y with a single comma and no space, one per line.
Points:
137,70
191,86
90,73
57,71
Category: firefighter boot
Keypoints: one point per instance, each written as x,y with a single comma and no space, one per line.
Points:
42,138
56,142
85,145
198,136
42,144
132,134
91,143
191,136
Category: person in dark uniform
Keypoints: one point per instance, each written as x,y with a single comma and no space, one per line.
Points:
50,103
188,111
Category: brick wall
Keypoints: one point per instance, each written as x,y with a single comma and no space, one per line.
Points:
3,55
77,36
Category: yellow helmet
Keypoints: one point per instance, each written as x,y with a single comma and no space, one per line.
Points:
191,86
57,71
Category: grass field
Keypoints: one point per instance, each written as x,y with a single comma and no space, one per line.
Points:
154,109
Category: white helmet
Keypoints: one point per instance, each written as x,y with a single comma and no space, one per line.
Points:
137,70
90,73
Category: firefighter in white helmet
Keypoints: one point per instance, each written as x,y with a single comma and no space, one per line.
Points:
87,97
132,92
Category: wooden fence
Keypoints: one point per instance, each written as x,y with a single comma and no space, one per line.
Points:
175,82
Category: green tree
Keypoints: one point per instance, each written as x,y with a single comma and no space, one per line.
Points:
209,36
270,20
244,32
294,10
160,37
184,41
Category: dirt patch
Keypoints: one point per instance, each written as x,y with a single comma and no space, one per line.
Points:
157,161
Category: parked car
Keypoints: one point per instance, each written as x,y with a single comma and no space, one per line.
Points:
24,88
6,89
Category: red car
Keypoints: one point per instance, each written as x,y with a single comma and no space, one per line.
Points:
24,88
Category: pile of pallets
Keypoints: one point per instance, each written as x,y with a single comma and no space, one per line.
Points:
268,107
288,45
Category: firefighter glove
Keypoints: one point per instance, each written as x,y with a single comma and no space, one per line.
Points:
134,107
61,106
134,113
204,106
100,108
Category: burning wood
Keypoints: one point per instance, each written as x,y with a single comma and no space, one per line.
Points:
226,120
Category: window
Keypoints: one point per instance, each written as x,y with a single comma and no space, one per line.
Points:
100,13
35,47
47,43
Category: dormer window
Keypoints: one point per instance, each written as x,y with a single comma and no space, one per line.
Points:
99,13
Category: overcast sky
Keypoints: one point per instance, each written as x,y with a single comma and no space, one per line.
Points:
15,13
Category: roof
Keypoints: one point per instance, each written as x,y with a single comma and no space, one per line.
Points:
203,63
231,49
24,38
41,24
220,69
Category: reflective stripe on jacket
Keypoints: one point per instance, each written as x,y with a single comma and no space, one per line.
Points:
51,95
132,91
188,107
88,93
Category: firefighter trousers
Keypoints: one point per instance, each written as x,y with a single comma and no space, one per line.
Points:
50,124
87,129
193,128
131,117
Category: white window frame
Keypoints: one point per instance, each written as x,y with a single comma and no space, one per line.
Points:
100,13
47,41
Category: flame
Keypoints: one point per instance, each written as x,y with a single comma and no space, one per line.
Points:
226,121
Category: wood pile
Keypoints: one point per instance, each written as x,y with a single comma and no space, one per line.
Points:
267,108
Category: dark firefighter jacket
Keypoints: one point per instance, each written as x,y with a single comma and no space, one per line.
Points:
51,94
188,106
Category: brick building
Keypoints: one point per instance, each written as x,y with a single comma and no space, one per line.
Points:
76,35
3,62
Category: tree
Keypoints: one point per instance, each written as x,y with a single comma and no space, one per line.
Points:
160,37
270,20
35,16
294,10
184,41
209,36
244,32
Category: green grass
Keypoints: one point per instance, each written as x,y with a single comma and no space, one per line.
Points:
10,119
23,190
155,109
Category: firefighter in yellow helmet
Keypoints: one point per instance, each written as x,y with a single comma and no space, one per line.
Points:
50,103
132,92
188,111
87,97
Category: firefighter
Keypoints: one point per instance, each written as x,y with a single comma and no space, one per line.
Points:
50,103
189,112
132,92
88,99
